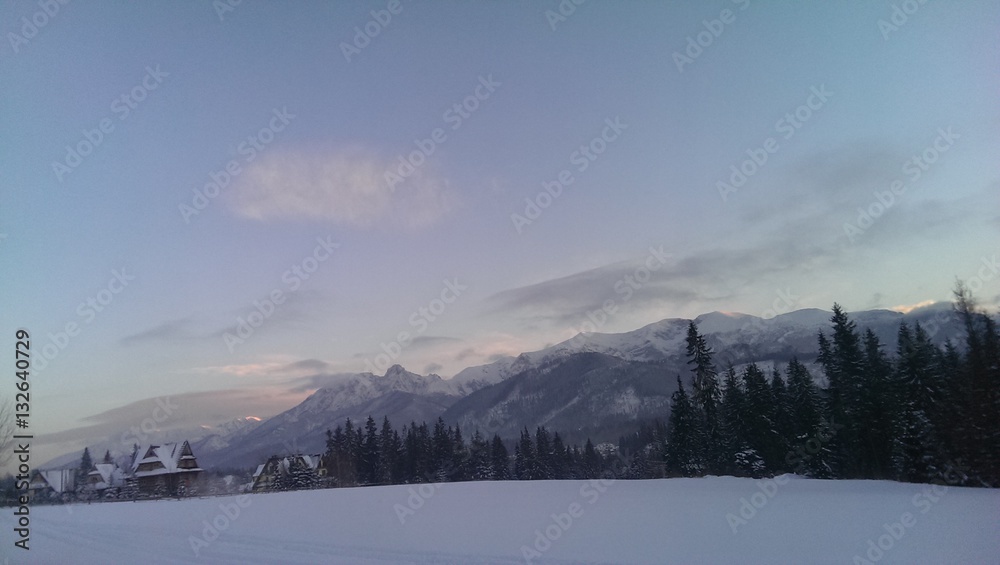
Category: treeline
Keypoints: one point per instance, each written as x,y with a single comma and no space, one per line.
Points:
926,414
373,455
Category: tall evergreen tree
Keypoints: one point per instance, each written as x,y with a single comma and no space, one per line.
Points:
390,453
684,438
500,459
444,449
977,393
761,433
844,364
525,462
706,394
734,444
543,454
480,465
918,452
459,466
559,461
368,455
782,419
809,453
86,466
592,462
877,403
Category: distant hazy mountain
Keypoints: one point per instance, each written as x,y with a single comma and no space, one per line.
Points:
401,395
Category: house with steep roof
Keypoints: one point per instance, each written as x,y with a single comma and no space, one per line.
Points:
105,476
267,475
170,468
52,482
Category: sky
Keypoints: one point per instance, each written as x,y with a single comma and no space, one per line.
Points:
215,202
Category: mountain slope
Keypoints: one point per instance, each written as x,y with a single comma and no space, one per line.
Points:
401,395
579,395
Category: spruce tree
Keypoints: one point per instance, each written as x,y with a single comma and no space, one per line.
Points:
525,462
809,453
977,394
758,416
443,451
369,472
737,459
844,364
877,404
389,454
86,466
499,459
684,439
592,463
459,465
917,453
480,467
559,461
706,395
543,454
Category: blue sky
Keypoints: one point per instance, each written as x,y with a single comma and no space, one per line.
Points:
182,91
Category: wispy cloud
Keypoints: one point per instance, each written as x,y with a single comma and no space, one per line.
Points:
432,340
270,369
347,187
169,330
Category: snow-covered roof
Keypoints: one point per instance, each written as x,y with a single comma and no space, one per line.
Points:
106,475
60,480
283,464
163,459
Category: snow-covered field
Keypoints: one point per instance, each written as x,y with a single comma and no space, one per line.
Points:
790,520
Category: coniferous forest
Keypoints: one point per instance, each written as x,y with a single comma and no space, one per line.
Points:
911,411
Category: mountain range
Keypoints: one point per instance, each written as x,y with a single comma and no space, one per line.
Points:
594,385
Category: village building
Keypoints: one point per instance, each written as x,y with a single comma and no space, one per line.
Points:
52,483
105,476
167,469
268,476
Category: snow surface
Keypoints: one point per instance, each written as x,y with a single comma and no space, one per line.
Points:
658,521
